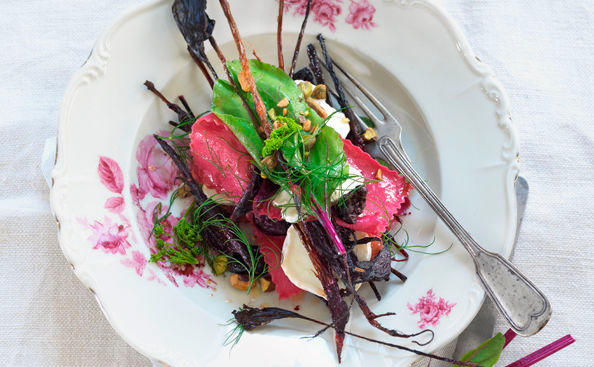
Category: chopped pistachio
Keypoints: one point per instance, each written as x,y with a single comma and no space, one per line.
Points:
183,191
219,265
266,284
319,92
346,120
309,141
285,111
270,162
370,134
276,125
306,125
306,88
306,113
378,174
283,102
272,114
314,105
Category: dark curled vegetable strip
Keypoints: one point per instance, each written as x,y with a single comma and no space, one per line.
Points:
249,318
304,74
246,201
220,238
300,38
271,227
314,64
338,308
195,25
182,115
355,134
351,205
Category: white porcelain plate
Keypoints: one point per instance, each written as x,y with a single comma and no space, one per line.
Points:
108,178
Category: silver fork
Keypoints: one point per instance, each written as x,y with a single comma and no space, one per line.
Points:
523,305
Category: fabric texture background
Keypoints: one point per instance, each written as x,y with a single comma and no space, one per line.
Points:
542,51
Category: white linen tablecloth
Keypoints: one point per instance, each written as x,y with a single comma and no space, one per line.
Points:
542,51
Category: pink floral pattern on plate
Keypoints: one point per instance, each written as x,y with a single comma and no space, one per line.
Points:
326,12
108,236
361,14
156,171
430,309
156,175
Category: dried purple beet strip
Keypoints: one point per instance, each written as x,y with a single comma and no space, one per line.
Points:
181,113
195,25
182,99
338,308
304,74
270,226
314,64
351,205
249,318
375,291
375,270
371,318
399,274
300,38
355,134
201,66
246,202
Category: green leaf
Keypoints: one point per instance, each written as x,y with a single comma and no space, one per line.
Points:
487,354
273,84
328,153
326,166
227,105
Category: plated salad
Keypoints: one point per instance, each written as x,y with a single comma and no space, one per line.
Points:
283,195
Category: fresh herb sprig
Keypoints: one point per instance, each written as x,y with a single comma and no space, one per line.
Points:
186,243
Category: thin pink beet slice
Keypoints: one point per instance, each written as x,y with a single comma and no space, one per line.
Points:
384,198
220,162
271,247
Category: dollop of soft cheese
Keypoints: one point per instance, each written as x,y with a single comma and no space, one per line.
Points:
284,201
298,267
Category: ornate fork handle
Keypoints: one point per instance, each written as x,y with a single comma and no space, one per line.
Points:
521,303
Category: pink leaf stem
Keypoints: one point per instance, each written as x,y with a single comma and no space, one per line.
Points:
543,352
509,336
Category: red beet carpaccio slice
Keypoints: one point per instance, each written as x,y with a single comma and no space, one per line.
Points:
384,198
271,247
220,161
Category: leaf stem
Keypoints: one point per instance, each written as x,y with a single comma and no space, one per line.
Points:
543,352
509,336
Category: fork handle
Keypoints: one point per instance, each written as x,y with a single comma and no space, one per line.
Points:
523,305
